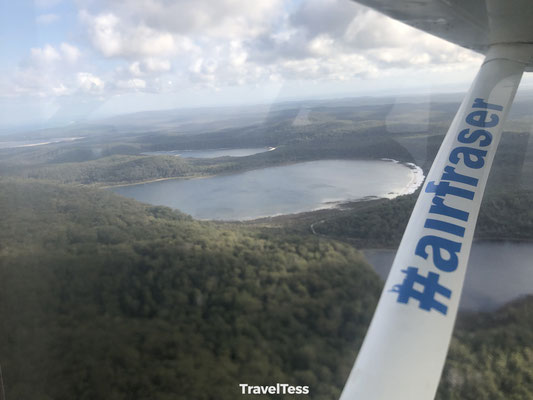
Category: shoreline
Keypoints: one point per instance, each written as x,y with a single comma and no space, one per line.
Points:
114,185
416,179
180,153
476,240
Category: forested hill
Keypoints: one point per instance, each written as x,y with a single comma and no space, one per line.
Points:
105,298
491,355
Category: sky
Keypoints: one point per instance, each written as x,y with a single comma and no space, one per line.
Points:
66,60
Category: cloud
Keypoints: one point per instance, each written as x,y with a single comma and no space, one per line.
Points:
135,84
90,83
70,53
50,71
114,37
49,55
149,65
142,45
203,43
46,55
318,17
326,36
156,65
222,18
47,19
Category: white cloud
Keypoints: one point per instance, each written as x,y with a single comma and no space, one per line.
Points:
156,65
47,19
236,42
321,38
114,37
49,56
70,53
221,18
148,66
322,46
60,90
135,69
135,84
146,44
237,55
90,83
46,55
330,17
52,71
103,32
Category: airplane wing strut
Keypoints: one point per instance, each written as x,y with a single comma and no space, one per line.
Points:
405,348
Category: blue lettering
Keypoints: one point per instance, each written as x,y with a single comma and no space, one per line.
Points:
466,137
472,158
440,208
480,103
444,188
438,244
445,227
426,298
479,118
451,175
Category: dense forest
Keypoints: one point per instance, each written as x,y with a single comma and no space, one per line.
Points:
491,355
104,297
381,223
57,166
108,157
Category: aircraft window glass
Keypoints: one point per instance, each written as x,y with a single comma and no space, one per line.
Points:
199,196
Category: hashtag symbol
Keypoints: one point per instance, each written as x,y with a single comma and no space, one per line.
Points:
426,297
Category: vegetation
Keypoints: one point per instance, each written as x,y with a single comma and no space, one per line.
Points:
108,298
103,297
110,170
106,157
503,216
124,169
506,211
329,132
491,356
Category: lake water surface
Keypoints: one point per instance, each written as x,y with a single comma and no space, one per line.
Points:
279,190
33,143
497,273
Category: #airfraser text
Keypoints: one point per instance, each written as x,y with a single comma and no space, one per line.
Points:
278,388
468,156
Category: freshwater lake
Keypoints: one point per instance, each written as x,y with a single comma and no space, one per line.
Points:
279,190
33,143
497,273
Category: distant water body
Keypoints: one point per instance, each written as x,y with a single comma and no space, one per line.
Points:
497,273
280,190
33,143
213,153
